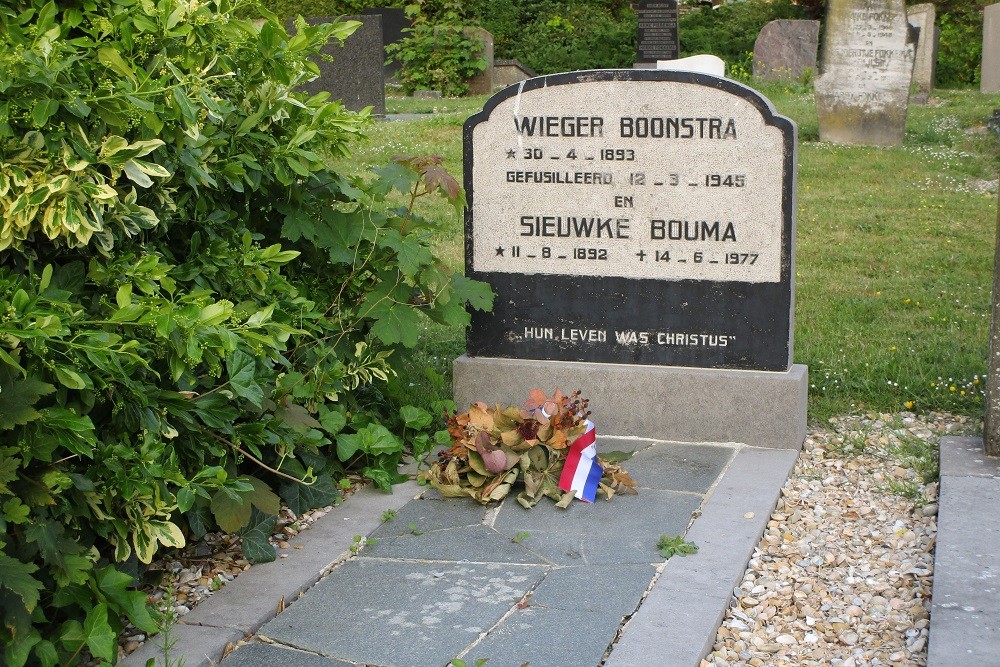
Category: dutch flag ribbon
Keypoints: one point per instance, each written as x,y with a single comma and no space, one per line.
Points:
581,472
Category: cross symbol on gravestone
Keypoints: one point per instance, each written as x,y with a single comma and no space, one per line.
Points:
641,255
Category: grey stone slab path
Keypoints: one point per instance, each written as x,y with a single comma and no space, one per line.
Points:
965,604
547,587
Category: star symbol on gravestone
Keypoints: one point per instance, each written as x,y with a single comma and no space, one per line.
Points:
511,153
500,251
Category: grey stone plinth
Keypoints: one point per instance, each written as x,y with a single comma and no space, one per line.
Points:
760,408
966,601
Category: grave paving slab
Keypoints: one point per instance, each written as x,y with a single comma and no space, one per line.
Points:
966,595
678,466
436,514
420,609
548,638
403,614
674,622
623,531
269,655
614,589
478,544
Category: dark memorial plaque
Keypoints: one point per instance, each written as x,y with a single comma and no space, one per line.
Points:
632,217
657,36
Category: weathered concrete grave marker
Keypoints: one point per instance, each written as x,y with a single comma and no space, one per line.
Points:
637,227
785,49
864,85
925,57
990,82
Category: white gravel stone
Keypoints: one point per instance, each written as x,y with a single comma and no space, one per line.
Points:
842,574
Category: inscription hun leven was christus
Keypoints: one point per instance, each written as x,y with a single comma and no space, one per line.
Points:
628,337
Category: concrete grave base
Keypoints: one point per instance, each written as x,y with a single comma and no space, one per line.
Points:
759,408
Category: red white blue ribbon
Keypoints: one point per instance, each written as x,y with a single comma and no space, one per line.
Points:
582,473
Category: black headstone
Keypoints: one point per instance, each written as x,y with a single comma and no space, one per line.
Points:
394,23
632,216
657,37
355,74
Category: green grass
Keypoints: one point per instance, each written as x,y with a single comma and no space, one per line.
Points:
894,256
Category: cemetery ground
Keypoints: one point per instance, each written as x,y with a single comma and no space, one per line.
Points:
894,265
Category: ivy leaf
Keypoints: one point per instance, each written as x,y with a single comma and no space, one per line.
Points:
415,418
296,416
255,538
231,514
383,478
262,497
303,497
16,653
348,444
332,421
241,367
114,585
16,577
48,537
199,520
18,397
95,633
380,440
46,653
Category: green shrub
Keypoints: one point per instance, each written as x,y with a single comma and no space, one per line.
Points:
437,53
289,9
730,31
195,311
557,36
960,47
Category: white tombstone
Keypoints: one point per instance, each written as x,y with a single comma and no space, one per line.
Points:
702,64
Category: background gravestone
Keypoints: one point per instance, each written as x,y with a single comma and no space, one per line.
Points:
355,75
482,83
657,35
785,49
863,89
394,23
925,56
637,228
990,82
509,72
